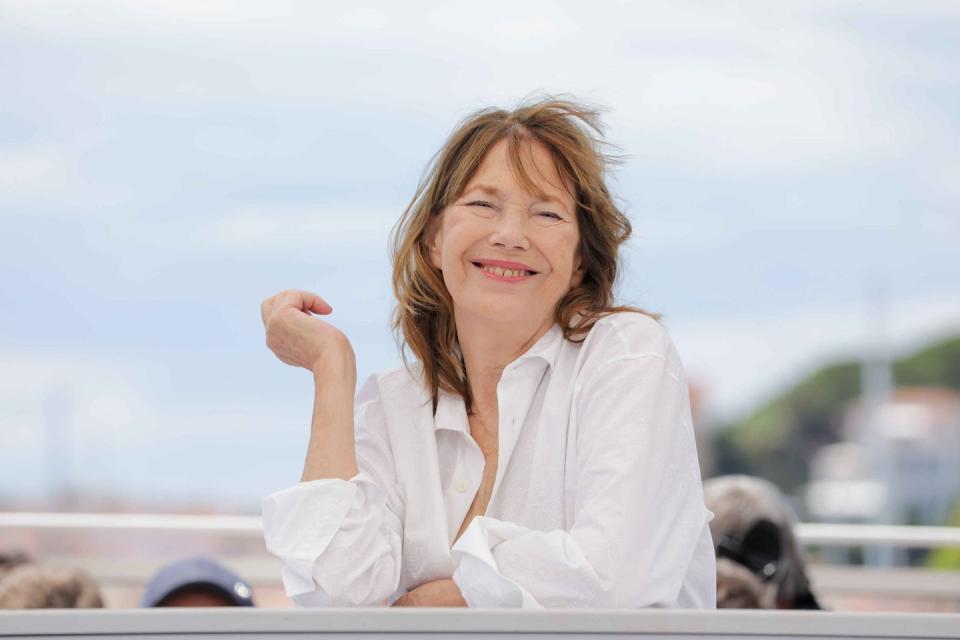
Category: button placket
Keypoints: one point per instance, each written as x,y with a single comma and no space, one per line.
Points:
462,483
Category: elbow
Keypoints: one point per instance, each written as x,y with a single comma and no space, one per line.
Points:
361,584
624,587
348,598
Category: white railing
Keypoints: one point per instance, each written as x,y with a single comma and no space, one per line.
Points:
159,624
239,525
855,535
828,535
838,581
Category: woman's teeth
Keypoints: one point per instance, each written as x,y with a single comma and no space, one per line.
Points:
510,273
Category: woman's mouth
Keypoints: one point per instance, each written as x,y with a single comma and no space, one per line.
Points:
503,274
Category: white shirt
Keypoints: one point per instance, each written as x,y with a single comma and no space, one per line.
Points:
597,500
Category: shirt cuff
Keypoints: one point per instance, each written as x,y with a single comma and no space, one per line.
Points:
477,574
299,522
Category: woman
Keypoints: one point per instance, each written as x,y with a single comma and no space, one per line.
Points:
539,451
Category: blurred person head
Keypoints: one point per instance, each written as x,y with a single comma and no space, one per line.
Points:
525,187
753,527
42,586
740,588
196,582
11,559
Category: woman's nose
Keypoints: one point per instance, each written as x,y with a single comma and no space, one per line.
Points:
510,231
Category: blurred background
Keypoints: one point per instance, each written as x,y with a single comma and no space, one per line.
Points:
792,174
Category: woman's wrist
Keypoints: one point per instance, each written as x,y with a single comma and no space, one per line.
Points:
331,450
335,365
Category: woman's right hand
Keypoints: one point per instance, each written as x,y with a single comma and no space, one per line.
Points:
300,339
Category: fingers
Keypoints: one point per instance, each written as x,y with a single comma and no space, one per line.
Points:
305,301
302,300
265,307
316,304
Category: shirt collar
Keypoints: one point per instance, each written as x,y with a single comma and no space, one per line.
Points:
451,412
546,348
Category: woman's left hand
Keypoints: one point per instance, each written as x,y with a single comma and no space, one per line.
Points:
438,593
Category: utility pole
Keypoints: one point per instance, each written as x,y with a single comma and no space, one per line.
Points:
876,391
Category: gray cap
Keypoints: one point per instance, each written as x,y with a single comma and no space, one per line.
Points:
199,573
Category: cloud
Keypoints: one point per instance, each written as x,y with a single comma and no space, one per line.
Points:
365,18
121,399
47,173
730,88
111,426
276,227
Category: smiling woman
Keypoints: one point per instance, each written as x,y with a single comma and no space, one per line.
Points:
538,450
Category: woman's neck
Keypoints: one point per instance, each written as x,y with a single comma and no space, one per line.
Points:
488,348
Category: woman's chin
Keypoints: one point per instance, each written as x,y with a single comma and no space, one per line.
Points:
499,313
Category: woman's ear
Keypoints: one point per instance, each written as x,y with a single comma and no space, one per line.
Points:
576,277
435,241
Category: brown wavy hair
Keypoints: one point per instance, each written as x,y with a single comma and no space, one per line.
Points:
573,134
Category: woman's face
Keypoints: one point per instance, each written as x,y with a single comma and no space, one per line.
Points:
509,255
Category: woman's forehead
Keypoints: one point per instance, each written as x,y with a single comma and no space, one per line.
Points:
526,161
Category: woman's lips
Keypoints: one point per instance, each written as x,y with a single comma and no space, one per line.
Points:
503,275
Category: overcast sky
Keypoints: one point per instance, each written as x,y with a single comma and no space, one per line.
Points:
164,166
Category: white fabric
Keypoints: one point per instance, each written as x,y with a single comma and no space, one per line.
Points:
597,500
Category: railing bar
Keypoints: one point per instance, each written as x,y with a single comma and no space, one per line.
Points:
168,522
876,534
807,533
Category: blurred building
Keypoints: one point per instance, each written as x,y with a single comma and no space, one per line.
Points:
897,464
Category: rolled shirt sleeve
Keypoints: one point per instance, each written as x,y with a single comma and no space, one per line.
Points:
639,518
339,541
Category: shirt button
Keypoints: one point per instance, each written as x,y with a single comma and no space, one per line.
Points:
461,486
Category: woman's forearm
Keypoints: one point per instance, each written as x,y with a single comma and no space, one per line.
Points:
437,593
331,452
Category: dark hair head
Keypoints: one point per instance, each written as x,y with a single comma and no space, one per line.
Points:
40,586
753,526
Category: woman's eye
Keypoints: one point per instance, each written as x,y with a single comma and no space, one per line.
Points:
550,214
479,203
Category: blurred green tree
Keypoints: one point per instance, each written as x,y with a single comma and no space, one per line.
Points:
779,438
